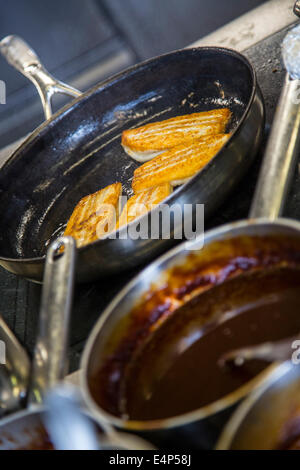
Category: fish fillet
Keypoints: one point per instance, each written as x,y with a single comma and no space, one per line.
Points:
143,202
144,143
178,165
95,215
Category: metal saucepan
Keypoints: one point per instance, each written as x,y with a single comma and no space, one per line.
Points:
77,151
232,253
25,429
269,418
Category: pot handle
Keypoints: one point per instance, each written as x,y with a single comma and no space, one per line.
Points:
50,355
23,58
14,370
281,155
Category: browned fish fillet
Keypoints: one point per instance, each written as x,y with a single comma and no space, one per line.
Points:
143,202
179,164
146,142
95,215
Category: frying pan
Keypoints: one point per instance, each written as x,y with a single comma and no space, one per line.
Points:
77,151
244,247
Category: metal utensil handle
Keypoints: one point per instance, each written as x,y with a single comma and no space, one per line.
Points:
69,428
270,351
14,371
14,352
281,155
13,349
18,53
50,356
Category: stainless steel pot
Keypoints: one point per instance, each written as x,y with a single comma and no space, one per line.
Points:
26,429
23,429
258,423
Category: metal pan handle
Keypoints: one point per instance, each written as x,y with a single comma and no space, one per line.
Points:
14,370
23,58
281,155
50,356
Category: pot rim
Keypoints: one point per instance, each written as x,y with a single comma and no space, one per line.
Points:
224,232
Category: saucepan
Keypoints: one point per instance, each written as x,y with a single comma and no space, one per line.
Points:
29,429
269,418
77,151
233,285
24,429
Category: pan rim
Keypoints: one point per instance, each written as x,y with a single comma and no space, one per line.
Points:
208,410
63,112
231,428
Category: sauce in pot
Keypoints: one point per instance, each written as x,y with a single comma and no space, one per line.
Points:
177,369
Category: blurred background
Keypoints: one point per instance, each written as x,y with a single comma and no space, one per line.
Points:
83,42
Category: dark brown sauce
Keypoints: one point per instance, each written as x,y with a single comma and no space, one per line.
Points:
171,376
197,275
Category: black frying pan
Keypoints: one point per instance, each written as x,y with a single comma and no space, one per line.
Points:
78,151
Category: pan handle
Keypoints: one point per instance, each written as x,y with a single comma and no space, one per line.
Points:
50,355
23,58
281,155
14,370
